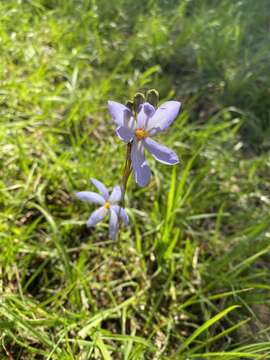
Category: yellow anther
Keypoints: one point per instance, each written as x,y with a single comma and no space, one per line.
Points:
141,133
107,205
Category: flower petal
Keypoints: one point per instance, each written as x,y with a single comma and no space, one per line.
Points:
130,123
116,195
140,167
124,216
122,213
120,113
146,111
97,216
124,134
160,152
101,187
113,226
91,197
163,117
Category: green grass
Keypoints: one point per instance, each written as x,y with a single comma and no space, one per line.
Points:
189,279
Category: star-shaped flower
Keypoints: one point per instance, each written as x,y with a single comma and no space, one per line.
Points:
139,131
109,205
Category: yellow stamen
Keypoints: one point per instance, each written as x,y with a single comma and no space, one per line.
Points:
107,205
141,133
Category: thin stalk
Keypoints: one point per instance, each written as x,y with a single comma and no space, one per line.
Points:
126,173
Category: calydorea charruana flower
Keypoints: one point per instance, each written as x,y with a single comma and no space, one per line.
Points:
139,132
108,206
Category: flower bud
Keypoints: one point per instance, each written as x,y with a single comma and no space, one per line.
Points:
153,97
138,100
130,104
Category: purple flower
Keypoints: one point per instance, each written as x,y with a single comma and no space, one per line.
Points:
108,205
149,122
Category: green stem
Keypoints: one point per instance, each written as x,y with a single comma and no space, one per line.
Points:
126,173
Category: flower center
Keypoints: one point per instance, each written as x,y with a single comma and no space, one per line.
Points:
107,205
141,133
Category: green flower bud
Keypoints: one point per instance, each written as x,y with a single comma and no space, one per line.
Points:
130,104
153,97
138,100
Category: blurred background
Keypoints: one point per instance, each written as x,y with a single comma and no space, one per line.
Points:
198,243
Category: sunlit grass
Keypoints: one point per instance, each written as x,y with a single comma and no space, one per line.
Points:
189,278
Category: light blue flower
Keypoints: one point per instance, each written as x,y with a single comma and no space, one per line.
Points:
109,205
139,131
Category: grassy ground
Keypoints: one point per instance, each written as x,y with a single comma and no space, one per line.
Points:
190,277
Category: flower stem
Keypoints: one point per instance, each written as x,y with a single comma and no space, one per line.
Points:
126,173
